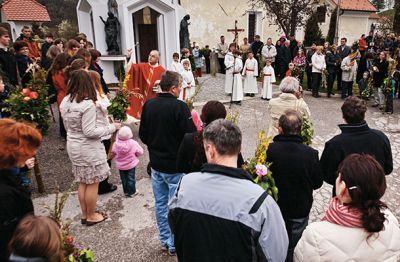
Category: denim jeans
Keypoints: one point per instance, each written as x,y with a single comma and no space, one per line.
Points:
164,186
295,228
128,181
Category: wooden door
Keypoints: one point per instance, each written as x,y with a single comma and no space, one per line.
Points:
148,40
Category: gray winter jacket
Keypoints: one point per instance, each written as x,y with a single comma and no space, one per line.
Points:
83,135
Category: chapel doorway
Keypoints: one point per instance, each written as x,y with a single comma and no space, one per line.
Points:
146,32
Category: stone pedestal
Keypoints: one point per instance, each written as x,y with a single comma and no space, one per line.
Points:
110,63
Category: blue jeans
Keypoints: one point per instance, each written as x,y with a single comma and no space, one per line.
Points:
295,228
128,181
164,186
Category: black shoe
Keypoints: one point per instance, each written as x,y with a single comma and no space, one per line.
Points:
332,93
171,252
329,95
252,95
375,105
110,189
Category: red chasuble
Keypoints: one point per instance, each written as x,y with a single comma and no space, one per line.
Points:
142,81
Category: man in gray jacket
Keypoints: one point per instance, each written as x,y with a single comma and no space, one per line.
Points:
220,214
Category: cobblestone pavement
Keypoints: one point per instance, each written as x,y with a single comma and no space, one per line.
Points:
130,234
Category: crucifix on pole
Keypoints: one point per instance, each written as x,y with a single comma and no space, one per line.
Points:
236,32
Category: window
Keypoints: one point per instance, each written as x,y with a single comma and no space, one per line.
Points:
251,27
321,14
147,16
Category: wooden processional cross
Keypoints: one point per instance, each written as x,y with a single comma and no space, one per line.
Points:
236,33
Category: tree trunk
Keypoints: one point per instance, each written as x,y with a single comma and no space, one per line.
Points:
293,23
396,22
38,176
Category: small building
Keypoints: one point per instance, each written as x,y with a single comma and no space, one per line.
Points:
20,13
145,25
356,18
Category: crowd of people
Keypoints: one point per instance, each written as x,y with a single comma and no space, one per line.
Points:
207,207
372,63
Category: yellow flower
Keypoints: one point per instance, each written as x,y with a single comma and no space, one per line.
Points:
126,80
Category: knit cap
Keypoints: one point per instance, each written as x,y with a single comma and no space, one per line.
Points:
125,133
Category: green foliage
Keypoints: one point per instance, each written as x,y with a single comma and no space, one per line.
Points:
298,71
29,108
307,131
258,167
379,4
119,105
73,252
233,116
312,31
60,10
66,29
84,255
332,27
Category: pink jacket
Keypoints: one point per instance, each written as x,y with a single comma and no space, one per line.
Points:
126,153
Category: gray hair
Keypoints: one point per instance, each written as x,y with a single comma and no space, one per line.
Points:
169,79
291,122
225,135
289,85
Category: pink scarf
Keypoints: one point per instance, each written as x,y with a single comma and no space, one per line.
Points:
196,120
341,215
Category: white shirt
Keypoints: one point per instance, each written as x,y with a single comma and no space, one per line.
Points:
269,52
229,60
176,67
250,67
318,63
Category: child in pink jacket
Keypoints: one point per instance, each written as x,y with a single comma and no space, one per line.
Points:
126,151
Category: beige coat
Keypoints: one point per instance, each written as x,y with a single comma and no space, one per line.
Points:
349,72
83,133
277,106
324,241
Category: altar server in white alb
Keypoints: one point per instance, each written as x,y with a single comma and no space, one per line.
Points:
237,95
188,84
229,64
269,78
176,66
250,72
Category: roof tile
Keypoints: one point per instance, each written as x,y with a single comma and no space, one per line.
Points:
25,10
356,5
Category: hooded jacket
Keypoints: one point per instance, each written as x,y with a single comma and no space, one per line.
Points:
126,151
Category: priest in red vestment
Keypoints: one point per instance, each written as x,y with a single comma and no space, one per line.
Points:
142,81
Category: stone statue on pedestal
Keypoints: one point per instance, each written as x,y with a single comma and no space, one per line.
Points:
184,32
111,26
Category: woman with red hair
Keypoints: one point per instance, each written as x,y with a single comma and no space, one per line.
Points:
19,142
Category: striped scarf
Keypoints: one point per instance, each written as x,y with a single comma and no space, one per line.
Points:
341,215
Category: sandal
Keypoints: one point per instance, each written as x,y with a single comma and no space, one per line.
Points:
92,223
104,214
